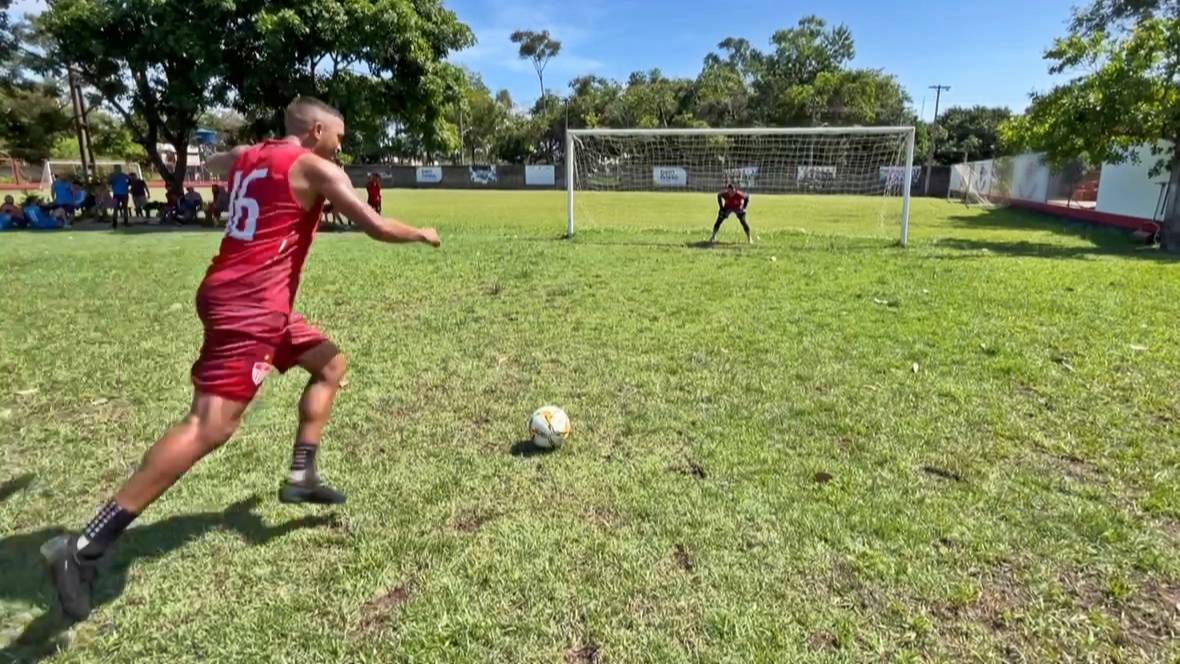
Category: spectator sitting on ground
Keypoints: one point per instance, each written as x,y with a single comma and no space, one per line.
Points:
219,204
11,216
189,205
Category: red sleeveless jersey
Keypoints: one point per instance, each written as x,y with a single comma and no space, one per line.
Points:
733,200
268,234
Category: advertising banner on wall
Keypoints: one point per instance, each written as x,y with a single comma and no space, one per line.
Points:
669,176
744,177
428,174
815,173
891,176
542,175
483,175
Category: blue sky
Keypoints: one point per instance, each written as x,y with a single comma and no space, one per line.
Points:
988,52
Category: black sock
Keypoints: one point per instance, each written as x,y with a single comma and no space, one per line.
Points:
303,463
108,523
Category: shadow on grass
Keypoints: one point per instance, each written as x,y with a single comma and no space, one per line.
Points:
1047,250
14,486
527,448
1104,241
25,580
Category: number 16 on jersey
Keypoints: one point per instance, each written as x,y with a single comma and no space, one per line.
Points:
243,210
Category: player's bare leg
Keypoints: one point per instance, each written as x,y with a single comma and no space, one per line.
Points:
745,227
73,559
721,217
327,367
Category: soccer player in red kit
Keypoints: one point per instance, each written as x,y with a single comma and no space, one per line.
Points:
373,189
732,200
277,190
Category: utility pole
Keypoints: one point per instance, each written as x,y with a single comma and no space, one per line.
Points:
463,140
80,125
933,137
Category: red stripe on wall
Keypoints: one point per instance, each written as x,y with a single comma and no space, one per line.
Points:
1082,214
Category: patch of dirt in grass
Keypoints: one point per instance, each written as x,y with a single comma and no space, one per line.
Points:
1148,620
844,583
480,423
584,655
942,473
683,558
1077,468
603,517
823,641
382,610
691,469
469,521
1172,528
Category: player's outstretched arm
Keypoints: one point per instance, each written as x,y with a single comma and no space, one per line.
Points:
330,181
219,163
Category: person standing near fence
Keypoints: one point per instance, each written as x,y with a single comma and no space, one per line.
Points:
120,191
373,187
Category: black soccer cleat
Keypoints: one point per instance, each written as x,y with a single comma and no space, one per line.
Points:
74,581
310,492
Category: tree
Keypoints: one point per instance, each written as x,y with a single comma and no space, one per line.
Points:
1126,93
802,80
651,100
231,126
974,132
516,141
721,97
161,65
538,47
34,112
158,86
33,118
844,97
479,117
381,62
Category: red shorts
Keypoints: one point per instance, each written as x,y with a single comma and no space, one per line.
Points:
242,346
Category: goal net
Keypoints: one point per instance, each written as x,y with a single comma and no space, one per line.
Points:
972,182
72,168
861,175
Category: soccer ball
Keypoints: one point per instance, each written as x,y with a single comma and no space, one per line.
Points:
549,427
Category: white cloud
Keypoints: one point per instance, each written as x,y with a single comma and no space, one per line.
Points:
21,7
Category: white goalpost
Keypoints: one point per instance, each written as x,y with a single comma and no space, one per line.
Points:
850,161
71,167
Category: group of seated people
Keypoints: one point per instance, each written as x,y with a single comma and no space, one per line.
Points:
72,200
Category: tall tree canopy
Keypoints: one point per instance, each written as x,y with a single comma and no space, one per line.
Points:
160,65
1124,56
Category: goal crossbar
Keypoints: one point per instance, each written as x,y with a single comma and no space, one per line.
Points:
808,169
749,131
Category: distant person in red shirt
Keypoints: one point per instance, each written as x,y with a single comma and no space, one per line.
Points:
277,189
732,200
374,189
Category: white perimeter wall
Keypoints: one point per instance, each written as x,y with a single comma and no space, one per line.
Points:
1128,189
1125,189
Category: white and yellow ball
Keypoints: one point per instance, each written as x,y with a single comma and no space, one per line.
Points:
549,427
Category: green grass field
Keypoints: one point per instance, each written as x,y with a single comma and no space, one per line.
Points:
819,448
